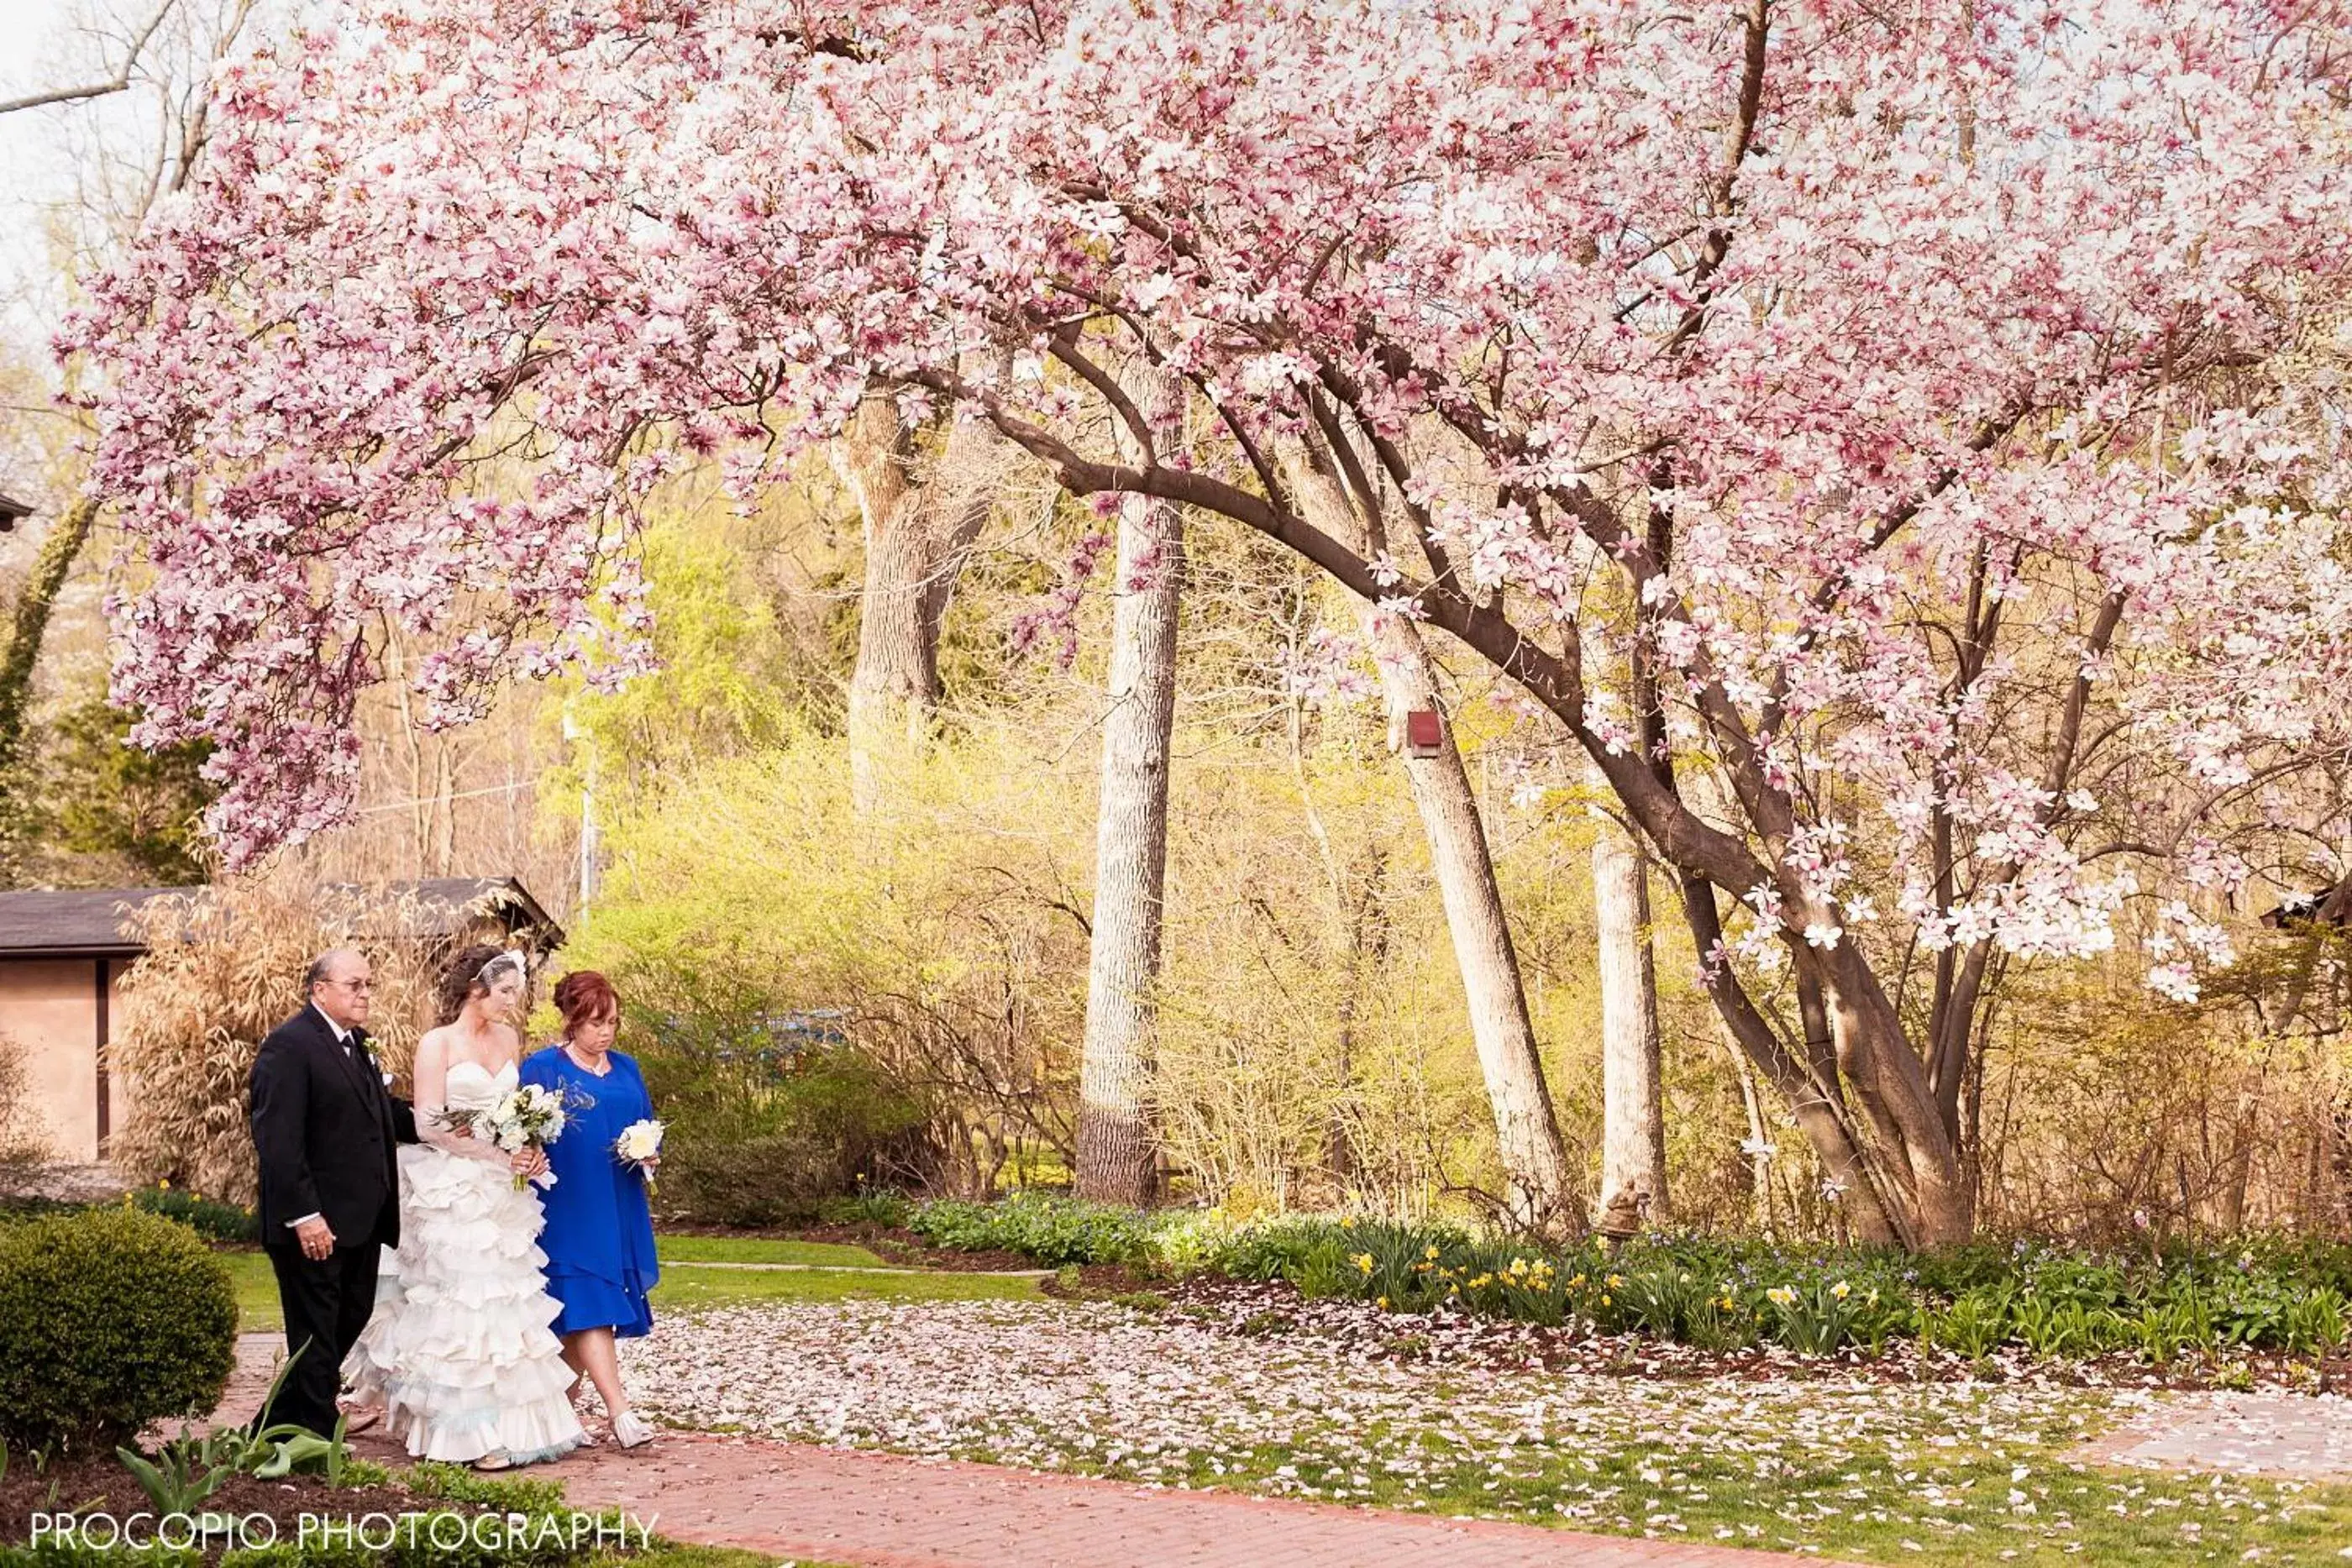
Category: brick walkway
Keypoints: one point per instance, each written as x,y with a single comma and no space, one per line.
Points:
879,1510
885,1512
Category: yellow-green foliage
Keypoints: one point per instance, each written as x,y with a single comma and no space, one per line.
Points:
2111,1114
1312,1044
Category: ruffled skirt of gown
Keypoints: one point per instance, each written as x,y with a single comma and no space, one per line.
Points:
459,1351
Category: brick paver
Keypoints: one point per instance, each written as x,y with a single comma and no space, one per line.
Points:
882,1510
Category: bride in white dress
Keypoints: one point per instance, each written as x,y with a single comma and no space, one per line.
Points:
460,1354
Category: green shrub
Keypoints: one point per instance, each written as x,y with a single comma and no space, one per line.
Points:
207,1217
1975,1324
110,1319
882,1206
749,1145
769,1180
1053,1230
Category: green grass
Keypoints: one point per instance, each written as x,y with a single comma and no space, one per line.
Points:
758,1249
1993,1496
697,1290
256,1292
847,1278
1869,1508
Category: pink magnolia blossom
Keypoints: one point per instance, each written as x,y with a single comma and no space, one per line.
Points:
1910,373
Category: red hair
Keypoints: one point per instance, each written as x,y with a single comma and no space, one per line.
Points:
583,997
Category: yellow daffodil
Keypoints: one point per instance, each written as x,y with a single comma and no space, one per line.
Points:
1429,1251
1841,1289
1362,1261
1616,1281
1781,1296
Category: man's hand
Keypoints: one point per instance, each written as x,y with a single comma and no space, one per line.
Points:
317,1240
528,1162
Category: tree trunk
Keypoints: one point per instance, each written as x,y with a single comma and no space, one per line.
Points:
1535,1159
1634,1128
1115,1151
1359,941
895,679
1758,1148
28,625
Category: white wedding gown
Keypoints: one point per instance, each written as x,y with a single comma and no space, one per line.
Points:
459,1352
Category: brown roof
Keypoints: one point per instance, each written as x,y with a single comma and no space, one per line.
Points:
94,922
10,511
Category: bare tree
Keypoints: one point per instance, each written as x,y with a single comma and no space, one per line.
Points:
120,81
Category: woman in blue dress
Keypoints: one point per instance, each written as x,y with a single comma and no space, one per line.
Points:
599,1238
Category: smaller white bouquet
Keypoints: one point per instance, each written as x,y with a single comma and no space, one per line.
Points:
530,1117
639,1148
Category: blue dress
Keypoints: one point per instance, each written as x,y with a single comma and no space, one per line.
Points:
599,1238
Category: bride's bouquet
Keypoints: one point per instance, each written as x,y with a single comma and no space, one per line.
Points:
639,1148
528,1117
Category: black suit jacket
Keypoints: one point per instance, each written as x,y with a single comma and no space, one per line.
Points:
325,1127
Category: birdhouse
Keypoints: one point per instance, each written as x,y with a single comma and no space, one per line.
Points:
1424,733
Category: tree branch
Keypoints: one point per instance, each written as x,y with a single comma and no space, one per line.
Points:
119,82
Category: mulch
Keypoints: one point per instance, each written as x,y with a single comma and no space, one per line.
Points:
262,1511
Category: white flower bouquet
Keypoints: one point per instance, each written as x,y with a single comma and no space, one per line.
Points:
530,1117
639,1148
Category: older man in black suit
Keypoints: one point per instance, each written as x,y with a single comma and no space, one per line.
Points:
325,1126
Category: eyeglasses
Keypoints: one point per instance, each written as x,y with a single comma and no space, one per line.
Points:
357,988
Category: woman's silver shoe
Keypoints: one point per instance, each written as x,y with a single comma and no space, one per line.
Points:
632,1430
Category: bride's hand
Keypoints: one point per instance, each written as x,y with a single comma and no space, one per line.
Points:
528,1162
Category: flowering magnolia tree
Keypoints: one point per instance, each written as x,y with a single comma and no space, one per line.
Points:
1857,429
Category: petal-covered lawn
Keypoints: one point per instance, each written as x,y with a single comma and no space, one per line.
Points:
1354,1406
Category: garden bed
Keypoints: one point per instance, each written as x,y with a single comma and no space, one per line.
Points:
99,1485
2255,1311
1262,1310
